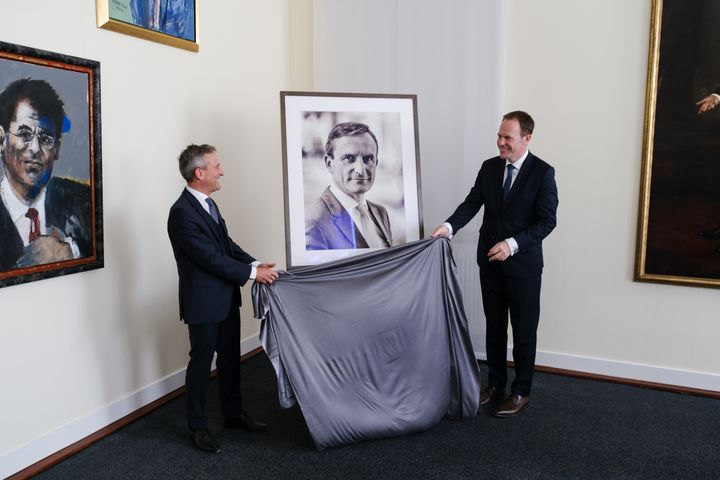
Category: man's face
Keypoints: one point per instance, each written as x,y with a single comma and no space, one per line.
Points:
210,175
353,165
511,143
28,156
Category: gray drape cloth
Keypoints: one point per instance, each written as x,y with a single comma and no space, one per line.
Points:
372,346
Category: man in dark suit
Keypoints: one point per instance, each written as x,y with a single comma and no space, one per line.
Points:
43,219
342,218
211,268
520,198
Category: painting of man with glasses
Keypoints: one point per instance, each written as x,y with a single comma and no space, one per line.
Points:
44,218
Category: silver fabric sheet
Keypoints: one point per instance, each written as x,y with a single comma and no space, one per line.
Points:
372,346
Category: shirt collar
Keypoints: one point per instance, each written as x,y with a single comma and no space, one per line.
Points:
346,200
518,163
199,195
16,207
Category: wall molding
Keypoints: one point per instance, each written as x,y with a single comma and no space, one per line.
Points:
45,451
637,374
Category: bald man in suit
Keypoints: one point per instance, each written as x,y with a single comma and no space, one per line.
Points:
520,197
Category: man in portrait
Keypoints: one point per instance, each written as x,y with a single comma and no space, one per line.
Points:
706,104
342,218
43,219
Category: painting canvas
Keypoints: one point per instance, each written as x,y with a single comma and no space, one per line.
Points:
50,187
172,22
679,220
352,174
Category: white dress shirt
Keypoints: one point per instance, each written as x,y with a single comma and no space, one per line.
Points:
201,198
512,243
17,208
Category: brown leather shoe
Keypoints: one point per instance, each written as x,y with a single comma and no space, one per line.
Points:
490,395
512,405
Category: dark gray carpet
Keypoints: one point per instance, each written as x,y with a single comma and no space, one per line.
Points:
573,429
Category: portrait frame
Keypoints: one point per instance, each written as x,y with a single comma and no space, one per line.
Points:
307,118
116,15
77,83
678,234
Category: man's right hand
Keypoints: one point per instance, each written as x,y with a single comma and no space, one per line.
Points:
707,103
265,273
441,231
45,249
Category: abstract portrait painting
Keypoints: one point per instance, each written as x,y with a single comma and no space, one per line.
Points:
172,22
50,187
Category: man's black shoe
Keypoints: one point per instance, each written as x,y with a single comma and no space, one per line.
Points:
246,423
491,395
205,441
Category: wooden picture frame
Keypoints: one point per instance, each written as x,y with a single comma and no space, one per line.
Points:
171,22
678,238
51,156
318,228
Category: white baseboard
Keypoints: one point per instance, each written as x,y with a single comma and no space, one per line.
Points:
42,447
624,370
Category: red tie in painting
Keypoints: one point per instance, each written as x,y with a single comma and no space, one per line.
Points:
32,214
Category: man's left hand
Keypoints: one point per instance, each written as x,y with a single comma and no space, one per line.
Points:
500,252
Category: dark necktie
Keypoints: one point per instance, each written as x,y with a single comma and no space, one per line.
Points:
508,182
32,214
213,209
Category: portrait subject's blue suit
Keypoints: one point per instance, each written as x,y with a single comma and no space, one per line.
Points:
211,268
329,226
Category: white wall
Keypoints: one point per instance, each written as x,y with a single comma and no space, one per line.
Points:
580,69
452,56
79,349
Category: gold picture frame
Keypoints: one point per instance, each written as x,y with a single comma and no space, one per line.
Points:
678,235
170,23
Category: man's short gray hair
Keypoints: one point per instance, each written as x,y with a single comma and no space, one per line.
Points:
192,158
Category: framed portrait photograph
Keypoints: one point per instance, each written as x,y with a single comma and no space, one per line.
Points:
679,220
172,22
50,187
351,170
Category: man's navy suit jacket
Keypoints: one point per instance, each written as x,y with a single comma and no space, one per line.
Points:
329,226
528,213
67,208
211,267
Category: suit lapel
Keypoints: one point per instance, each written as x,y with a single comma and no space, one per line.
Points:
205,216
521,179
343,220
497,181
377,218
12,244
